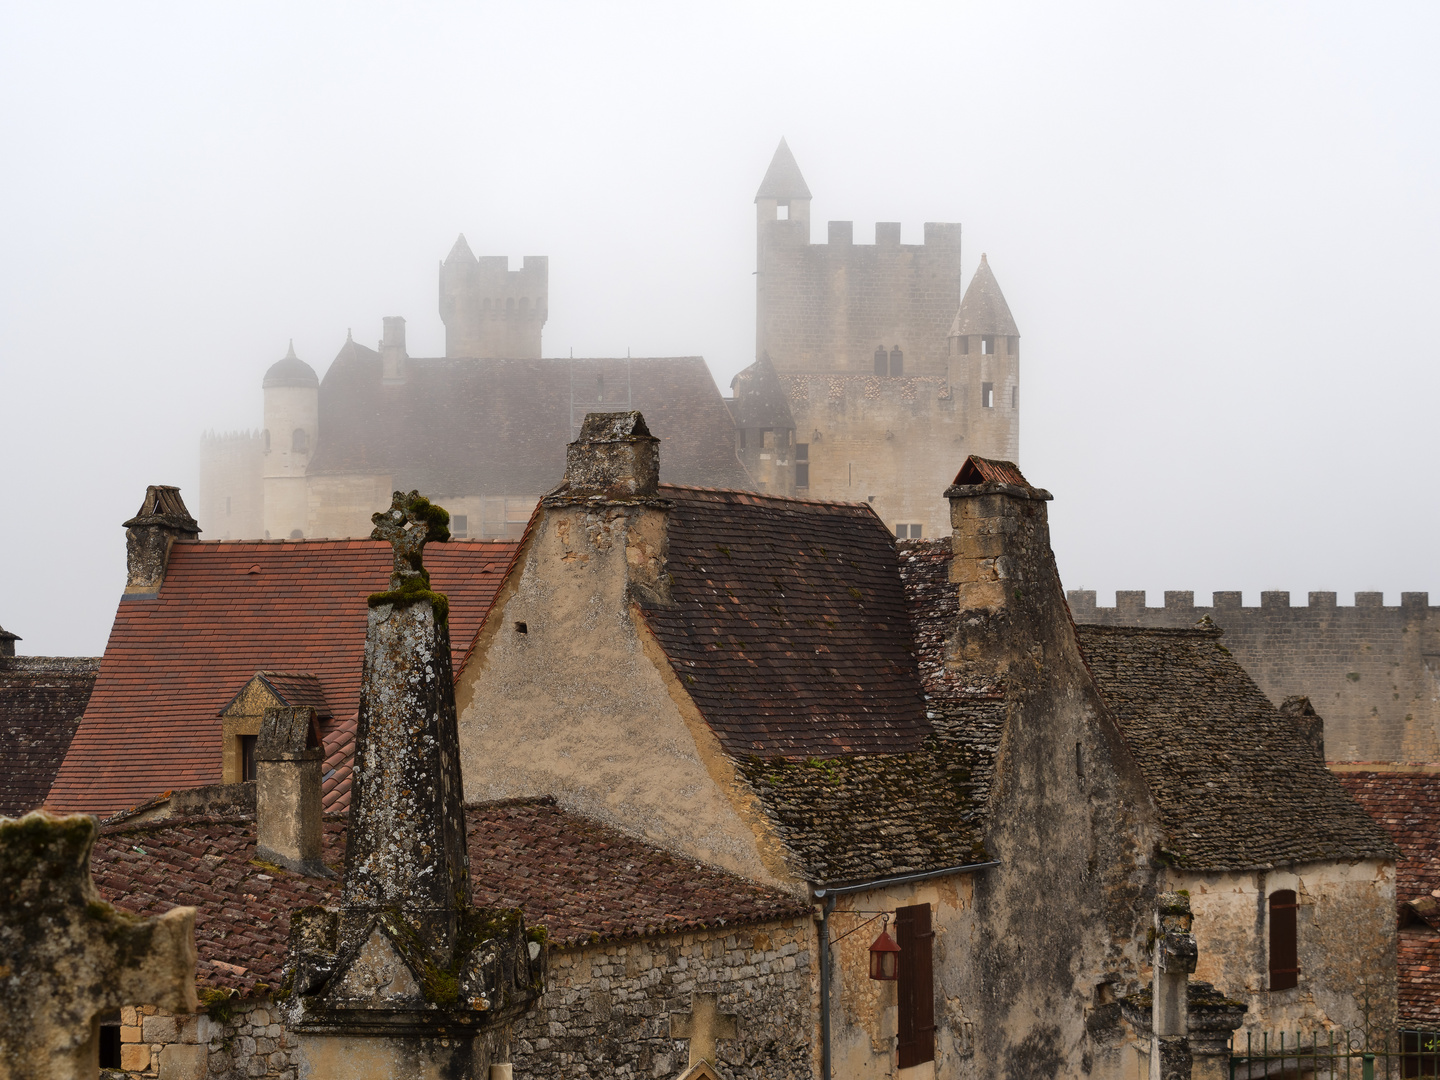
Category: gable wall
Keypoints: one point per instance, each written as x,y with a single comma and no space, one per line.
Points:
578,708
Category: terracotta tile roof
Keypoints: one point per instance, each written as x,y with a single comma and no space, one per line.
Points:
1407,806
579,879
296,689
41,699
339,764
979,470
1236,785
226,611
496,427
789,626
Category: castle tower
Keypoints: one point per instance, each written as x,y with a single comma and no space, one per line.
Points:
292,424
833,307
765,430
985,365
489,310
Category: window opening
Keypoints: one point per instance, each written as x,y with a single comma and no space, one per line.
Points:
522,628
1014,397
915,986
802,465
459,526
987,345
1284,951
782,211
987,395
109,1046
882,361
909,531
247,757
897,361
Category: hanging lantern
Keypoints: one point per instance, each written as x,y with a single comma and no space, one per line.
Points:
884,956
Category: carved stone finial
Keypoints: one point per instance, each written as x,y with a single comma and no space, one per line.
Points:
411,522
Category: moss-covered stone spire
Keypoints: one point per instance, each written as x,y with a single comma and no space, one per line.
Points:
411,522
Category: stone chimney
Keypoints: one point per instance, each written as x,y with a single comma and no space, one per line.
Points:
407,969
7,642
287,790
1003,568
149,536
392,350
1309,725
614,458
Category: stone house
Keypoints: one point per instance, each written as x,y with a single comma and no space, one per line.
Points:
206,628
650,957
41,699
918,733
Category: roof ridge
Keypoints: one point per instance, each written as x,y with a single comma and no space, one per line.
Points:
762,496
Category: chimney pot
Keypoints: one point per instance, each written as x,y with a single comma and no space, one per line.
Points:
614,457
392,349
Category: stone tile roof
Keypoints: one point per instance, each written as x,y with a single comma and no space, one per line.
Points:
759,399
1407,806
789,627
226,611
582,881
782,179
496,427
298,689
983,309
1235,784
41,699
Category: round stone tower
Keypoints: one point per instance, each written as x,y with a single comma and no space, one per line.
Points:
292,424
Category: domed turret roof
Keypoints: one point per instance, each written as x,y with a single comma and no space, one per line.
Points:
983,310
291,371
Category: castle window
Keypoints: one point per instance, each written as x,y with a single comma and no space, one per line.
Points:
908,531
782,211
987,345
1284,952
459,526
882,361
987,395
802,465
247,757
897,361
110,1039
300,441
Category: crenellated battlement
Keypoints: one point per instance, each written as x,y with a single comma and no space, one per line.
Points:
1371,670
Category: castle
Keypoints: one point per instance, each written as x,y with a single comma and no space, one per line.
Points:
873,374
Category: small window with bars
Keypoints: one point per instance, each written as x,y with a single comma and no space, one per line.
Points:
802,465
1284,945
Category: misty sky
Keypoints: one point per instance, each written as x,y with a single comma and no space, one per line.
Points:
1216,225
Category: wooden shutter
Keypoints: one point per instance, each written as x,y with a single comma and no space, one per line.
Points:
916,985
1284,953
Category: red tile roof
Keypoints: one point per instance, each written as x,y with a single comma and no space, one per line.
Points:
226,611
579,879
1407,806
789,627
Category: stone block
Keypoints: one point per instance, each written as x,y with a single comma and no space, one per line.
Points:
135,1057
183,1062
1275,599
129,1016
130,1033
160,1029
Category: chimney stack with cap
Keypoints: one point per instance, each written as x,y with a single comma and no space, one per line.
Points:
392,350
287,790
614,458
149,536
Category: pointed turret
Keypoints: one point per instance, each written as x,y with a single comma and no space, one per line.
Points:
983,309
461,253
783,181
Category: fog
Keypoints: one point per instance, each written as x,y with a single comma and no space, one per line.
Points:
1215,224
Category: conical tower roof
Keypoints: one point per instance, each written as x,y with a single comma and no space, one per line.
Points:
290,371
460,252
783,180
760,399
983,310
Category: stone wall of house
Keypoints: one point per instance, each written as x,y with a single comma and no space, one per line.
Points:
607,1007
1372,672
246,1043
1345,941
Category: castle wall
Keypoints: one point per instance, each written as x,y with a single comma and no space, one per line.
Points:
1372,672
826,307
231,503
340,506
894,439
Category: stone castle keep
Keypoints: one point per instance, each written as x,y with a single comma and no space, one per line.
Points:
874,370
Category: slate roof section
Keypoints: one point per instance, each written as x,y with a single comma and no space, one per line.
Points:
1235,785
1407,806
500,427
41,700
228,609
782,179
789,627
983,309
759,398
579,879
290,370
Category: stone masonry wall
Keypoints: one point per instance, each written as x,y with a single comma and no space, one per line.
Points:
607,1008
231,504
1372,672
247,1044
